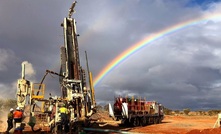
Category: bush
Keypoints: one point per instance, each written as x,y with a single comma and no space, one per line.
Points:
213,112
200,112
186,111
167,111
177,111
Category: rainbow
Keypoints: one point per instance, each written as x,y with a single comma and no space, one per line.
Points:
141,44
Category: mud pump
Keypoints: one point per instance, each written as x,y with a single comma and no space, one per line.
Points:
76,96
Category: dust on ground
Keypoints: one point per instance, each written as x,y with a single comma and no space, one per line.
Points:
171,125
3,120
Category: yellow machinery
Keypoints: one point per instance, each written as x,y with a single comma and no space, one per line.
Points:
77,97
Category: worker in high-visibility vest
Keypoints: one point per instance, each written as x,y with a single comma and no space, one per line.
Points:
64,116
18,114
10,120
63,109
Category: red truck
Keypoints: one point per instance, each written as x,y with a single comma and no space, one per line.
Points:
136,112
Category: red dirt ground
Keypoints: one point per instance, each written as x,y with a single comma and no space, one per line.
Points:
179,125
182,125
170,125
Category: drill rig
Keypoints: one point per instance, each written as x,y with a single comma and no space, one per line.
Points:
79,98
75,95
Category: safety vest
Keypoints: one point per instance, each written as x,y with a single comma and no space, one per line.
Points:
17,114
10,116
63,110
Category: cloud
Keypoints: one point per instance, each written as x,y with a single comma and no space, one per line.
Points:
184,66
6,57
8,90
29,70
179,70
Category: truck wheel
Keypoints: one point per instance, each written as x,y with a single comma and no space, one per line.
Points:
160,120
136,122
148,120
124,122
144,121
155,120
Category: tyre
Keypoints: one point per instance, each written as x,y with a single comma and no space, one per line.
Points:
125,122
136,122
143,121
155,120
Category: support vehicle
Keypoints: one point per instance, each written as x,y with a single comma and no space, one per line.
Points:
136,111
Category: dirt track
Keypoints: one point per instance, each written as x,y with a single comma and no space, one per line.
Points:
170,125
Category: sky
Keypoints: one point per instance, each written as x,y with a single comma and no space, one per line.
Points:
181,70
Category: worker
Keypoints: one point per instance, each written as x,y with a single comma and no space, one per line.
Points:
18,115
64,116
10,120
64,112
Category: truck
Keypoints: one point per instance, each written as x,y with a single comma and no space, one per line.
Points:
136,111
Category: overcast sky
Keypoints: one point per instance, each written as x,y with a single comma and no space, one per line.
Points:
182,70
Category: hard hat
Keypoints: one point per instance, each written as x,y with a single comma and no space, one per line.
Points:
17,108
11,109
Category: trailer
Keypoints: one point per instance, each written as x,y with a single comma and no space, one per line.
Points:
136,111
